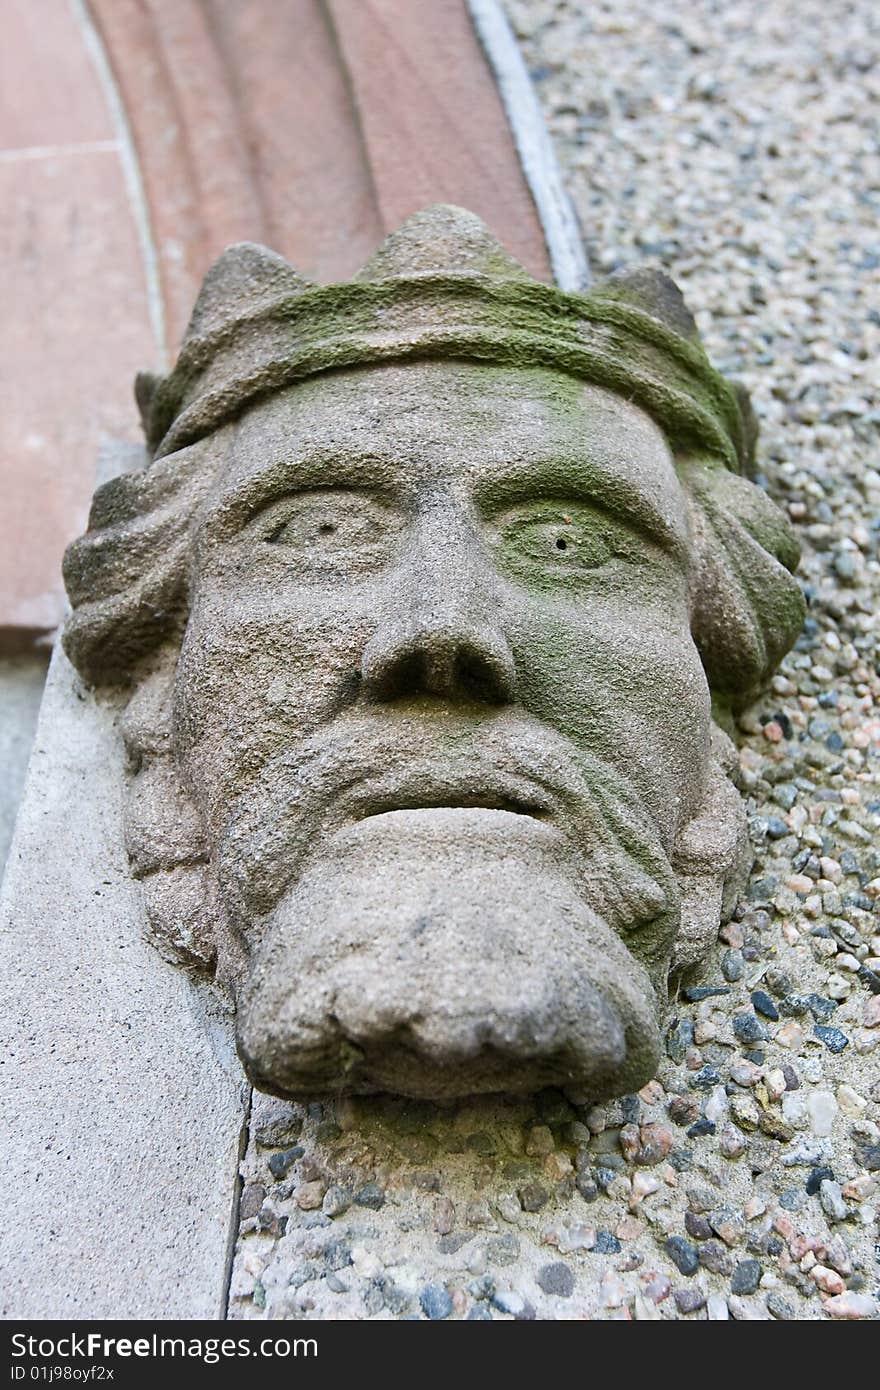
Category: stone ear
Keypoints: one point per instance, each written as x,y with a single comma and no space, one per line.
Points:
747,607
127,577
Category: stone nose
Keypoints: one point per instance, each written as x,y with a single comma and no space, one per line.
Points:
455,660
441,635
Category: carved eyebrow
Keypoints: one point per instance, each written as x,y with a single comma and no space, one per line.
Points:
588,481
503,483
313,470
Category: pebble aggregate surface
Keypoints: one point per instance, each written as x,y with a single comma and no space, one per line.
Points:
736,146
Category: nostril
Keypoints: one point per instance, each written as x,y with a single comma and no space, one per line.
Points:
482,680
396,678
456,666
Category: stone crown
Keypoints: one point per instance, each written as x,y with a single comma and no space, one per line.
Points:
439,286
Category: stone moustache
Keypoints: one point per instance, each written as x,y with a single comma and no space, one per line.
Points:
432,600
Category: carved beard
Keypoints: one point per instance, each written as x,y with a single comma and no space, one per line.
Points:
437,952
366,762
446,906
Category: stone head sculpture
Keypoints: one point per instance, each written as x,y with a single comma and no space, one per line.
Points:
425,600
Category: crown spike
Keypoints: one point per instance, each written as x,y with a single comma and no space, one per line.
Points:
653,292
244,277
442,238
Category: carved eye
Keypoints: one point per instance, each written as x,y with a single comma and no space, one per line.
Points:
330,529
555,540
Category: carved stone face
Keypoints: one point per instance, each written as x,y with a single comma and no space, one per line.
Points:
421,596
440,705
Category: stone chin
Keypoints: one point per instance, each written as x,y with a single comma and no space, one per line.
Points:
444,952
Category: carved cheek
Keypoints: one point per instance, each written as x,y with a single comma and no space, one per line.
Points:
623,680
260,668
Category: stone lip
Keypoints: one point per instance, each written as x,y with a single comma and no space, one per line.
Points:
406,959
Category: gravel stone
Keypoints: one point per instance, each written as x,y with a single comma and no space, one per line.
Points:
822,1108
679,1039
705,1079
336,1201
833,1038
503,1250
532,1196
852,1305
746,1277
684,1109
251,1200
310,1195
869,1157
816,1178
540,1142
280,1164
280,1130
713,1256
793,1199
683,1255
450,1245
694,994
507,1301
821,1007
435,1302
749,1029
776,1128
764,1005
779,1307
831,1198
716,1308
697,1226
557,1279
587,1188
370,1195
689,1300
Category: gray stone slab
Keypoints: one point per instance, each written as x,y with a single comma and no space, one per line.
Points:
21,689
122,1102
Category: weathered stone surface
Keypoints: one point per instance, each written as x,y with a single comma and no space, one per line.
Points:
122,1098
422,744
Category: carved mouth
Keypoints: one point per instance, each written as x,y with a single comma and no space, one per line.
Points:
519,797
448,801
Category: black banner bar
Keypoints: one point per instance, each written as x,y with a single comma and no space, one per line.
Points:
133,1353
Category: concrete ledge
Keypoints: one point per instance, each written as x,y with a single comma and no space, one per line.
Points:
122,1102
